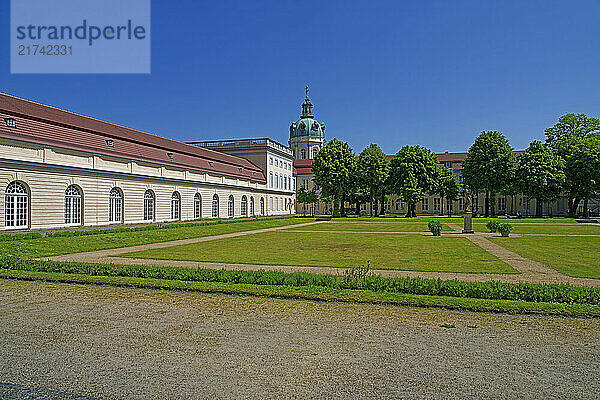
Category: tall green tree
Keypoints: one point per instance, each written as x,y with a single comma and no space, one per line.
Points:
540,174
582,168
448,186
490,165
413,172
334,167
565,138
373,170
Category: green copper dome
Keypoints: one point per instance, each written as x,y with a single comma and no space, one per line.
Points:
307,125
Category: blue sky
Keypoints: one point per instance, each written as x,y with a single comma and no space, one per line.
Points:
392,72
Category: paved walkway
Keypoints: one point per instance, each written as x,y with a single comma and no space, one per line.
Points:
529,270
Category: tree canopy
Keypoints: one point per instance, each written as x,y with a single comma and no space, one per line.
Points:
334,167
373,170
413,172
448,186
490,165
540,174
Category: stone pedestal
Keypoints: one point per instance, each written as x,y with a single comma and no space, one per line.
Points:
468,223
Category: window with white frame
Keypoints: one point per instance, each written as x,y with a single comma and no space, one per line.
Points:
175,206
502,203
399,204
262,206
315,150
281,181
73,205
425,204
271,204
436,204
271,180
215,206
197,206
285,183
276,181
461,204
115,206
244,205
271,160
149,205
303,154
230,205
277,162
251,205
16,206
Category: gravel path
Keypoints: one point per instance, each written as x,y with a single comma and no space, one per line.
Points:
115,343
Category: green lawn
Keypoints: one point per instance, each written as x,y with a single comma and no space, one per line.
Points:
364,226
403,252
66,245
556,229
574,256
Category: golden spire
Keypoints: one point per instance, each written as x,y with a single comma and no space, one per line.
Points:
307,91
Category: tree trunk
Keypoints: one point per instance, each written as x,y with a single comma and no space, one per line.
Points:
342,202
487,204
449,208
382,204
493,204
538,208
358,208
442,205
414,209
372,200
575,205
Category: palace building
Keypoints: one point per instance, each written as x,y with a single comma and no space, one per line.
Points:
61,169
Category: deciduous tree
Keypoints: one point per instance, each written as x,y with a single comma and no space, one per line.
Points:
448,186
413,172
333,167
373,170
490,165
540,174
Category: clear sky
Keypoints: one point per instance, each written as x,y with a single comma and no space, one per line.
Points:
432,73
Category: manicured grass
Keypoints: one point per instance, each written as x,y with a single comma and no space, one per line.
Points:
316,249
574,256
30,248
364,226
552,229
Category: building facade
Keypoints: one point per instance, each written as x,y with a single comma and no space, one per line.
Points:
274,159
61,169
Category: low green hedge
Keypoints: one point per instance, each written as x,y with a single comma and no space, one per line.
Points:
358,278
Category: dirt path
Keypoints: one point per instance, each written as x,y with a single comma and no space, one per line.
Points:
530,271
117,343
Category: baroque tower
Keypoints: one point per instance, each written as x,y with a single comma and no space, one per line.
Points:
307,135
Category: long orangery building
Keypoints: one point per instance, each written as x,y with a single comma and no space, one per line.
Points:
60,169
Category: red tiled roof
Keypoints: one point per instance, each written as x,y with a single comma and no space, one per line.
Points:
303,166
46,125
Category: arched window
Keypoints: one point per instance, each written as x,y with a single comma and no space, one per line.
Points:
315,150
251,205
285,182
175,206
399,205
197,206
271,180
16,206
281,181
262,206
115,206
276,181
72,205
230,206
244,205
302,154
149,205
215,206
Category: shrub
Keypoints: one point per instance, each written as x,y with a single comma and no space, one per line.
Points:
435,227
360,278
505,229
493,226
